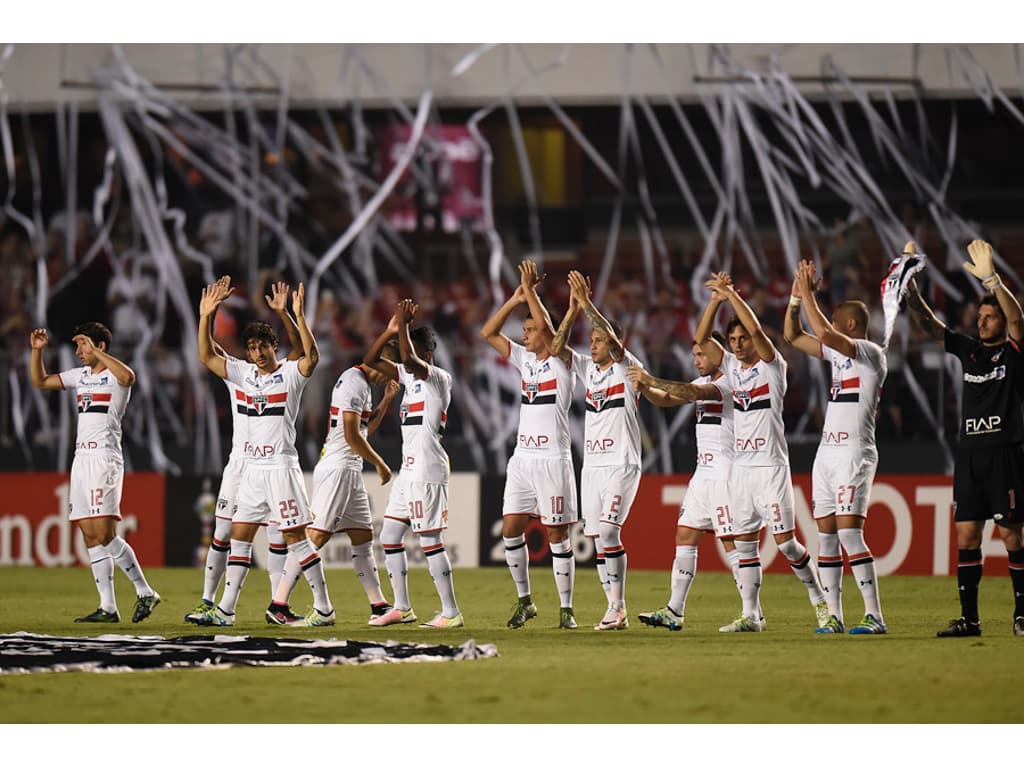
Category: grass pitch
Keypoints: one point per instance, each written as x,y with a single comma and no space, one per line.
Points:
543,675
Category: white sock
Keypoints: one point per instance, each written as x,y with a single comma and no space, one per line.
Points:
216,558
517,557
288,578
749,578
124,556
615,564
563,565
396,561
239,562
365,565
830,568
313,569
803,568
684,569
441,571
103,573
277,554
602,569
862,563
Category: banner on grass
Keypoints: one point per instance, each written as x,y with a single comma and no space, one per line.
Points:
35,530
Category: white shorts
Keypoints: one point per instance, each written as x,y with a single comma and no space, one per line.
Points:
274,495
96,481
544,488
759,497
227,496
340,502
841,483
424,506
706,506
606,495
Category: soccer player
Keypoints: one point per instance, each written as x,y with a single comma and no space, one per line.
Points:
760,486
611,457
217,555
340,502
102,389
988,475
419,497
706,506
272,488
539,481
844,466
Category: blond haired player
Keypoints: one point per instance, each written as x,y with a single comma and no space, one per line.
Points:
611,456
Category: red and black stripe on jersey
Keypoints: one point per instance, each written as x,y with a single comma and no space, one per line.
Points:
93,402
755,399
531,393
845,391
413,421
364,417
603,399
709,413
262,405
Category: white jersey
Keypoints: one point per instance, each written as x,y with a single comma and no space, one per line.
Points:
545,399
101,401
351,395
757,395
239,417
612,433
271,406
853,397
714,429
424,413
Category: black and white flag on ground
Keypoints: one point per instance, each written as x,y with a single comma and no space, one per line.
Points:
26,652
894,285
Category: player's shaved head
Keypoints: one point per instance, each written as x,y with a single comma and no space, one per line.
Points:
857,312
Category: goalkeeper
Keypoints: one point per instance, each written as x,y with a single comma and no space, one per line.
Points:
988,479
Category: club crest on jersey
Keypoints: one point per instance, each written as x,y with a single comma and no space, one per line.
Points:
531,389
996,356
701,409
743,397
403,411
259,402
86,400
837,387
599,397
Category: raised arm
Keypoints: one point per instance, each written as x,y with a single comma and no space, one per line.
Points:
413,363
580,291
929,322
529,280
278,302
310,353
39,340
982,267
492,328
390,390
210,353
793,330
709,346
823,328
358,443
723,284
372,357
684,391
125,376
